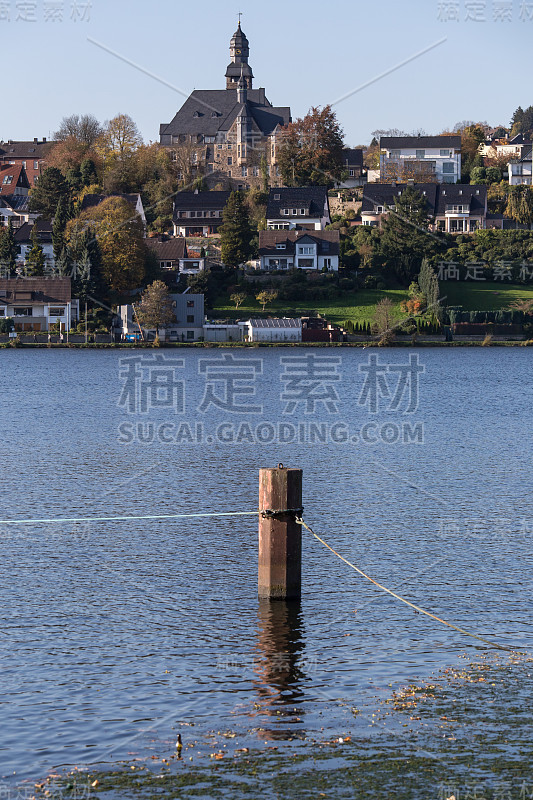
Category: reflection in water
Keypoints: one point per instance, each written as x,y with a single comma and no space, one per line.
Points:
278,665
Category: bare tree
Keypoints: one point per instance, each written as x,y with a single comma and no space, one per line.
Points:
85,129
384,323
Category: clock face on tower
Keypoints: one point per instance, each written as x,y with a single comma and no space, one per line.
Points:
238,52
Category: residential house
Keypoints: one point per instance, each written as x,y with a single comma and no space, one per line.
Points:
272,330
192,265
199,213
44,235
420,158
37,303
353,166
29,155
459,208
509,148
135,200
315,251
188,325
16,208
520,172
304,208
169,251
13,181
226,134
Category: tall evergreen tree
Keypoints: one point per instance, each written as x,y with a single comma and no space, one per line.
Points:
236,232
9,249
429,287
35,260
83,282
46,194
88,172
63,264
406,239
58,228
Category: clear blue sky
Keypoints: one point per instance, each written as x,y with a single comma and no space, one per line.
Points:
303,53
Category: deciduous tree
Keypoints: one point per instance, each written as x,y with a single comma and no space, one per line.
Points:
156,307
266,297
310,152
120,236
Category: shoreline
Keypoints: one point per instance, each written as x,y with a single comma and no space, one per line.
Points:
259,345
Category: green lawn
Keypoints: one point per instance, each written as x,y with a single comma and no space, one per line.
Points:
356,306
483,296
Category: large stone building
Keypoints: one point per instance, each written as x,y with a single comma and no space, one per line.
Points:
227,134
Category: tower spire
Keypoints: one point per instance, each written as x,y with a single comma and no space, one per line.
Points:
240,53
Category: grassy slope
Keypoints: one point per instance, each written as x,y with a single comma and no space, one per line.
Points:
483,296
357,306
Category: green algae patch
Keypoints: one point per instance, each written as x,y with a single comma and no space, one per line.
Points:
465,733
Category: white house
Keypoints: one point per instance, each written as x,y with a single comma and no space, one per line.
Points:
44,235
520,172
37,303
304,208
420,158
316,251
188,324
223,332
272,330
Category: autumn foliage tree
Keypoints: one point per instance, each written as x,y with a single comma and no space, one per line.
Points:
310,152
156,308
120,235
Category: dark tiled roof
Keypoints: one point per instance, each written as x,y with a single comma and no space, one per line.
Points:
92,200
28,150
206,112
56,290
168,249
352,158
455,193
276,323
419,142
312,198
328,241
386,194
203,201
526,154
44,229
17,202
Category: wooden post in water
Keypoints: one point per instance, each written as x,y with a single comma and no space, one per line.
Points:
280,536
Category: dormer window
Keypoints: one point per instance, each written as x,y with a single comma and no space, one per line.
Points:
196,114
214,114
281,246
277,197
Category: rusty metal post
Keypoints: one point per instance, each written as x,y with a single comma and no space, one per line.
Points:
280,536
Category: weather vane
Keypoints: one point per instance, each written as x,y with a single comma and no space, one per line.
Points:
240,15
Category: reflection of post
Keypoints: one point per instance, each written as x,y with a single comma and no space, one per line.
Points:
279,675
280,536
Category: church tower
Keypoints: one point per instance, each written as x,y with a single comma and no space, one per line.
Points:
239,67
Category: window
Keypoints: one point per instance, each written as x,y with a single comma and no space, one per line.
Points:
445,154
8,180
209,139
277,197
327,263
24,164
281,246
2,312
220,146
22,312
421,154
190,319
305,250
380,209
190,335
230,147
35,165
395,153
448,168
56,312
352,173
302,212
190,303
230,161
244,172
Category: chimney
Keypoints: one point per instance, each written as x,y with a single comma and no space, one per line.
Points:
44,139
35,141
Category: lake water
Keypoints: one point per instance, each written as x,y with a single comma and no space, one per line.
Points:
115,635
